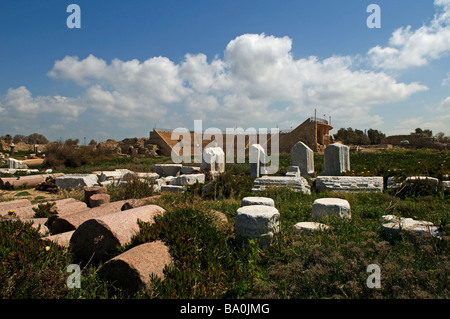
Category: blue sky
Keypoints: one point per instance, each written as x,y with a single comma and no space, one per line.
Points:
136,64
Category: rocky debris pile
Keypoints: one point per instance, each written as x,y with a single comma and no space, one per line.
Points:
394,226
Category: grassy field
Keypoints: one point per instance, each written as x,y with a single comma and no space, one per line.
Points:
208,263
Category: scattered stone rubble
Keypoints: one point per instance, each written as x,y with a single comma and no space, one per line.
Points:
94,229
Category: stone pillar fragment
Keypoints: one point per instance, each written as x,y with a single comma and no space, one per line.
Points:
337,159
303,157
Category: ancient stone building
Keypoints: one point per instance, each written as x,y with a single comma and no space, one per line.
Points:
314,132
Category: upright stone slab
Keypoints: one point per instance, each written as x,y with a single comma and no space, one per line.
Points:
257,161
213,159
325,206
337,159
303,157
99,238
257,222
133,268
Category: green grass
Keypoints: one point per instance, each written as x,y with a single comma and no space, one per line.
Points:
208,262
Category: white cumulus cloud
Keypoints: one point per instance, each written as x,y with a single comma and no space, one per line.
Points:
410,48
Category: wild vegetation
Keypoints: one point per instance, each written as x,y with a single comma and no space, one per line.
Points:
208,263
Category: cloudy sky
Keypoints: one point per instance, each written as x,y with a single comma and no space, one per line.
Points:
134,65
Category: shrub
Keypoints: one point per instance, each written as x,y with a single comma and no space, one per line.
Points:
134,188
59,156
29,268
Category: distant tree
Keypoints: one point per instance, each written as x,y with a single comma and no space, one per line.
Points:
423,133
37,138
7,138
19,138
71,142
375,136
440,137
92,143
350,136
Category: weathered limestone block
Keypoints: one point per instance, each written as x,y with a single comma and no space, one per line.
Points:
258,222
189,179
325,206
350,183
445,185
431,181
133,268
90,191
5,207
308,227
145,175
61,239
393,182
190,169
97,200
213,159
76,181
396,225
298,184
257,161
99,238
303,157
173,188
167,169
293,171
337,159
247,201
13,163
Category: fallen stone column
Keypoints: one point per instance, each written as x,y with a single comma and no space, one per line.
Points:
99,238
5,207
133,268
70,222
61,239
98,200
89,191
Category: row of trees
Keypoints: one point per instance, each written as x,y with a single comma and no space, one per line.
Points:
374,137
359,137
34,138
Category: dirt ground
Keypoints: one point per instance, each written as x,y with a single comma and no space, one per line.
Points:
34,195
